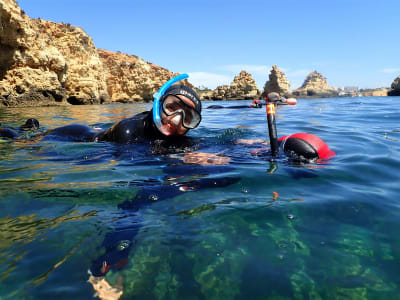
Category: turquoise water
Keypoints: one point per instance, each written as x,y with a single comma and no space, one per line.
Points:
317,231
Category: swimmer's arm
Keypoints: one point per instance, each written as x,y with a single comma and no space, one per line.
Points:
252,141
103,289
206,159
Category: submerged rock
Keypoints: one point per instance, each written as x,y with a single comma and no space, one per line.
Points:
315,86
395,87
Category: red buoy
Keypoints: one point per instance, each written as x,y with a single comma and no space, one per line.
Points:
306,145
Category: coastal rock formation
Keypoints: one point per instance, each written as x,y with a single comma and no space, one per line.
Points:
395,87
242,87
220,92
277,83
129,78
42,62
315,86
47,63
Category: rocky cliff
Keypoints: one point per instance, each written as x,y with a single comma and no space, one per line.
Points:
129,78
315,85
243,86
277,83
46,63
43,62
395,88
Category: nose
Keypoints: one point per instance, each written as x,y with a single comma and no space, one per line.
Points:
176,120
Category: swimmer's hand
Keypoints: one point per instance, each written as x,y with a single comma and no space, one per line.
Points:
201,158
251,142
103,289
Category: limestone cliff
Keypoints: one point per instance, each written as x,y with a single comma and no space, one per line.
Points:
395,87
42,62
315,85
129,78
47,63
243,86
277,83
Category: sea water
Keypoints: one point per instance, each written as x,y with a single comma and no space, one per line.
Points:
281,230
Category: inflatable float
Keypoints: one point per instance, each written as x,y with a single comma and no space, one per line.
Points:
298,146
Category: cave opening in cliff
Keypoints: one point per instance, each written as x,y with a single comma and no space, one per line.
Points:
73,100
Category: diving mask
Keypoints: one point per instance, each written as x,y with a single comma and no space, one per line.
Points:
171,104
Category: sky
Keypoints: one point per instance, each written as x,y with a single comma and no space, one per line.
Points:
350,42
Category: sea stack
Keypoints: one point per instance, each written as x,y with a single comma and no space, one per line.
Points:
315,86
277,83
395,88
243,86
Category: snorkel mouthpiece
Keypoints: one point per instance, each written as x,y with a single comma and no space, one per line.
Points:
157,105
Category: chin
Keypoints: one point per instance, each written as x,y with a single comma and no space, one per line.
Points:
177,133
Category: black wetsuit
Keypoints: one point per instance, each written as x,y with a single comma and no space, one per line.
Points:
119,242
11,133
257,104
141,129
232,106
126,131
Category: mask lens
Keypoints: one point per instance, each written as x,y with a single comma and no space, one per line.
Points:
174,105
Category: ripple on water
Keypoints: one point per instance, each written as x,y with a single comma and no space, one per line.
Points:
284,230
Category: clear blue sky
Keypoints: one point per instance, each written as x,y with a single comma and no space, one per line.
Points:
351,42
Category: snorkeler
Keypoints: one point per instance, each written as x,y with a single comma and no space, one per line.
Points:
274,97
10,133
279,100
176,110
256,103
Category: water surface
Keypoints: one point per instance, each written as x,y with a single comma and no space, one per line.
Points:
319,231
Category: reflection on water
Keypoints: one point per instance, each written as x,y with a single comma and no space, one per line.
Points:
256,229
53,116
18,232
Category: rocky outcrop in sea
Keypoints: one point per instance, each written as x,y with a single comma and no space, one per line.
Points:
395,87
315,86
277,83
47,63
243,86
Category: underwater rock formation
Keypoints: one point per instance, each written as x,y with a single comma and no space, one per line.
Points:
395,88
277,83
243,86
315,86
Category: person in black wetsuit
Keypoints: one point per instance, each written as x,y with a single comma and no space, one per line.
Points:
180,111
273,96
10,133
176,110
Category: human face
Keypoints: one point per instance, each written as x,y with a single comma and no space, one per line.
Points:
178,115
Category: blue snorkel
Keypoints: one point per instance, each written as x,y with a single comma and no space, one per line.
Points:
157,96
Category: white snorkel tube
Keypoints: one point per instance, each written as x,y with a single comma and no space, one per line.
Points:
157,105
